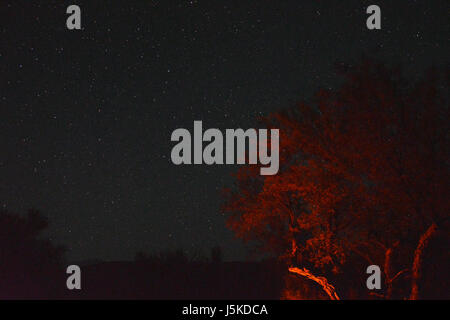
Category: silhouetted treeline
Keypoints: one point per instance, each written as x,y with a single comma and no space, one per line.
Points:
31,267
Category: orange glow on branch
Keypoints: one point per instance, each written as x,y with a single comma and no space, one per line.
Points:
323,282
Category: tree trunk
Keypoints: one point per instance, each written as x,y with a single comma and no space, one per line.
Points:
387,273
389,277
418,260
323,282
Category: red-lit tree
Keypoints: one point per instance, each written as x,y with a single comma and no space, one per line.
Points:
364,171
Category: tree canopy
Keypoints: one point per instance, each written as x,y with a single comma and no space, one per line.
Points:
363,170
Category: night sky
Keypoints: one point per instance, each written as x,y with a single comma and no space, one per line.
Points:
86,116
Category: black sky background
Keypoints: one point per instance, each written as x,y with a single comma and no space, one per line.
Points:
86,116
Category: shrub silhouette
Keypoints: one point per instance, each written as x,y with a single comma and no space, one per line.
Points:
216,254
30,267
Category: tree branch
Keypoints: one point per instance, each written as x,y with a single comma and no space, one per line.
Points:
323,282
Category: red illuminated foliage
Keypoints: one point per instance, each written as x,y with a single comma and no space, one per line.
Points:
363,171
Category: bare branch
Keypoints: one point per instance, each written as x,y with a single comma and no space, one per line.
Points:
323,282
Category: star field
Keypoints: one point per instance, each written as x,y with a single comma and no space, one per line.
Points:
86,116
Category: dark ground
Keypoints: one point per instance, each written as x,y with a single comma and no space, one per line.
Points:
147,280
